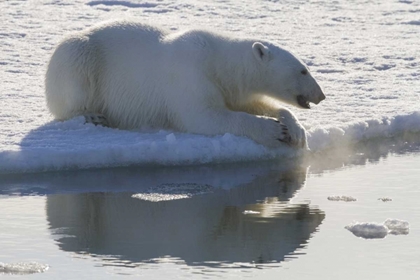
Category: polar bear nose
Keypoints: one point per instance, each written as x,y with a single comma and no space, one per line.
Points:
320,95
320,98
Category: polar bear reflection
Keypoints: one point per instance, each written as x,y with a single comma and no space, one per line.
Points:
202,229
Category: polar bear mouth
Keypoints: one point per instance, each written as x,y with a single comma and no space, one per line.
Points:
303,102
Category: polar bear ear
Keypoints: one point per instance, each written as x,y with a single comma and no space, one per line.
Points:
261,52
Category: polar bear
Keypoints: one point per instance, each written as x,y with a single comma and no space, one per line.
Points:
130,75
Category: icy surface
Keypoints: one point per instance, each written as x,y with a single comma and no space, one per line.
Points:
364,54
167,192
375,230
22,268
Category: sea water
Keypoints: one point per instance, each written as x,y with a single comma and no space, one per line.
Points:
257,220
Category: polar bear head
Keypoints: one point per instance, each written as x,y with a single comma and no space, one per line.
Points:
285,77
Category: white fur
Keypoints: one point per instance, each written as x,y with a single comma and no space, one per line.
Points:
195,81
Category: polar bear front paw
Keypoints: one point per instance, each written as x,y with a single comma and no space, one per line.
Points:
284,133
269,132
296,133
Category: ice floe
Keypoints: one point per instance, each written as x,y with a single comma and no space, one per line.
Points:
376,230
22,268
167,192
397,227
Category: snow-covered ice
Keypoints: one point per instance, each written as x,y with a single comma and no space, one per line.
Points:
364,54
375,230
22,268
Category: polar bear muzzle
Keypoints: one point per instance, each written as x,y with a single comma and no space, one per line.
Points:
303,102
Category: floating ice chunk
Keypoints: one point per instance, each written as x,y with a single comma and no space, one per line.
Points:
368,230
373,230
397,227
342,198
168,192
156,197
385,199
250,212
22,268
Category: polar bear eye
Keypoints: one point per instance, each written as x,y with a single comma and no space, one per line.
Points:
304,72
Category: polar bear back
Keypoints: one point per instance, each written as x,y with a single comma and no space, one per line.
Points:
134,78
130,72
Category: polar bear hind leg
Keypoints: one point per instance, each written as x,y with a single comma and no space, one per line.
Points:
69,79
96,119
